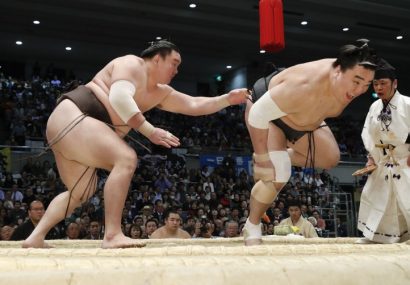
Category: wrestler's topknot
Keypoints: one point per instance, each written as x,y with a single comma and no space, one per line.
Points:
359,53
161,47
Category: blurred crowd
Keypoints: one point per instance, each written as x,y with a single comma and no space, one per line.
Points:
210,202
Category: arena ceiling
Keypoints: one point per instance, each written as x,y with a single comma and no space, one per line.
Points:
215,34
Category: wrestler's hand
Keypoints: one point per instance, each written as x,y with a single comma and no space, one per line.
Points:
408,161
370,161
239,96
164,138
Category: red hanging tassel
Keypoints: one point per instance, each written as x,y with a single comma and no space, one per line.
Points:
272,36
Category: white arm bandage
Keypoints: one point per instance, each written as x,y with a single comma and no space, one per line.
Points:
264,111
122,99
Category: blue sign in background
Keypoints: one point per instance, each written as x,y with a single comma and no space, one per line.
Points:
212,161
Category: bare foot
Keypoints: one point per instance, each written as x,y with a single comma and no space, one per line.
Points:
121,241
35,243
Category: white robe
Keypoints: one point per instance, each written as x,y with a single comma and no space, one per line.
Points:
306,229
384,214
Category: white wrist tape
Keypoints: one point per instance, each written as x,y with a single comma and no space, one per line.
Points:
263,111
122,99
146,129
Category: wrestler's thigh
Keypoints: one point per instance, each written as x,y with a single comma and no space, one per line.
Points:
327,154
91,142
76,176
276,138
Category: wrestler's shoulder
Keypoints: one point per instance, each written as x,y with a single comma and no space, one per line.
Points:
183,234
311,65
129,59
158,233
165,89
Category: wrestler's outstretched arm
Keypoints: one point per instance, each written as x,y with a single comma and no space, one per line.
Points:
178,102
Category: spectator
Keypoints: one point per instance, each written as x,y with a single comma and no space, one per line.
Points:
146,213
172,227
305,228
158,211
318,181
313,221
151,226
18,212
19,133
205,172
138,220
35,213
162,183
73,231
231,229
135,231
29,196
94,231
16,195
304,211
6,232
210,184
321,224
277,215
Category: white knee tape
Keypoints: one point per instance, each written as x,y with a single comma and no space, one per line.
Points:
264,192
283,166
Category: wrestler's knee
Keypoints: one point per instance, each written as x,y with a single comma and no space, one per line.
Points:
128,161
279,186
332,159
264,192
283,166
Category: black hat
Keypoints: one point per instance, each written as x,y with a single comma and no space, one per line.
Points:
385,70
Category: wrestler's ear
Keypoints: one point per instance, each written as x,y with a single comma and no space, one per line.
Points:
395,83
336,71
156,58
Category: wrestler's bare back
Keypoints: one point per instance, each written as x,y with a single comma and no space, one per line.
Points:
162,233
145,99
305,93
